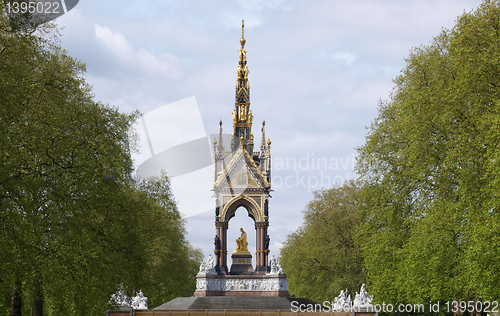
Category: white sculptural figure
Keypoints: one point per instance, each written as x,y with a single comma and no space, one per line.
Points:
272,264
208,267
210,262
275,266
139,301
278,266
362,298
120,299
342,302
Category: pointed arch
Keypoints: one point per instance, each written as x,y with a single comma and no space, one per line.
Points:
241,200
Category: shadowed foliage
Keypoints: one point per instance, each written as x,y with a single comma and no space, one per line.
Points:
430,169
74,224
321,258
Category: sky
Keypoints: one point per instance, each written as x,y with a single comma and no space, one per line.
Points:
318,70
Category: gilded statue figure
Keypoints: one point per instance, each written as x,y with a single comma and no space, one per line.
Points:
242,72
243,55
242,112
245,72
241,242
234,117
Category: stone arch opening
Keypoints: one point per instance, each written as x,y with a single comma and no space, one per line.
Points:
242,201
256,236
241,219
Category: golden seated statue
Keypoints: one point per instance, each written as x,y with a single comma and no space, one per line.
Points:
242,244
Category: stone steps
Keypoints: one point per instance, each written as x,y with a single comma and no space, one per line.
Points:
246,303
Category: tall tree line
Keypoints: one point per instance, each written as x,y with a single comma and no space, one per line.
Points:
74,224
430,166
429,206
321,258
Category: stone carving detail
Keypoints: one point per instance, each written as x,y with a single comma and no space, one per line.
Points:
139,301
201,284
362,299
342,302
283,285
275,266
265,284
120,299
208,267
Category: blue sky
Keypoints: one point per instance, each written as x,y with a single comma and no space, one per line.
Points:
317,72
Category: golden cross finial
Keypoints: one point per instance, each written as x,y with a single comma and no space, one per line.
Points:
242,41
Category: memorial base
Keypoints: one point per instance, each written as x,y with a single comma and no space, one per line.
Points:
242,264
241,285
261,270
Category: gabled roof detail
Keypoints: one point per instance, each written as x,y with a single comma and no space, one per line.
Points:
240,166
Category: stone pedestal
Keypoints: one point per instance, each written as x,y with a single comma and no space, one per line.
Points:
241,285
242,263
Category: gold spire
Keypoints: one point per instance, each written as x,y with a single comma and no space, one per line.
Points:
242,52
242,40
242,115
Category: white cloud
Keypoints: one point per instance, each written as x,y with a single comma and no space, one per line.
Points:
137,60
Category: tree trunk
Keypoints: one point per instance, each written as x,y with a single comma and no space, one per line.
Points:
16,304
37,309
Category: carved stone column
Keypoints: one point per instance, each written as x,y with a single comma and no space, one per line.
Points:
260,259
221,253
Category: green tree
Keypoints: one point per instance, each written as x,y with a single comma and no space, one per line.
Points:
430,171
321,258
73,222
173,264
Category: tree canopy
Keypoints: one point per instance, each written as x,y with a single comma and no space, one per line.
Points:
74,223
430,165
321,258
